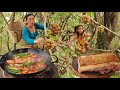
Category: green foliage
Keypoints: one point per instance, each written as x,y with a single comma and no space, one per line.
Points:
12,70
114,76
67,75
27,63
20,55
63,50
53,38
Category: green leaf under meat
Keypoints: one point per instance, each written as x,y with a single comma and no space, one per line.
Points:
27,63
12,70
20,55
39,69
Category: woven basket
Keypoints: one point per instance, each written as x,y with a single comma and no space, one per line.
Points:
15,31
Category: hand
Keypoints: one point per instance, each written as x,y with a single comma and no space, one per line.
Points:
36,41
67,44
86,42
83,50
89,34
61,42
39,40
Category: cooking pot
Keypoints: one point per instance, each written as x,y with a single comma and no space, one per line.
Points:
45,55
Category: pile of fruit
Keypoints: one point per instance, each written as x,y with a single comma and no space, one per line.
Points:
85,18
100,28
49,44
54,28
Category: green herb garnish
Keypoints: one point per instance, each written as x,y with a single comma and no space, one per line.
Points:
27,63
39,69
20,55
12,70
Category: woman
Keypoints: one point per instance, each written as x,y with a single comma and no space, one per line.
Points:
29,32
80,38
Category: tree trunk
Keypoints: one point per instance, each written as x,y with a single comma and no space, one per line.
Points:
99,17
0,44
109,19
40,18
12,18
1,40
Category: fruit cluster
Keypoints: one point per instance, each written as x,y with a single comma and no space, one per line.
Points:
54,28
85,19
49,44
100,28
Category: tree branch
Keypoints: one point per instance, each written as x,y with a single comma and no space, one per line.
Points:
105,50
105,28
4,18
12,18
66,20
101,50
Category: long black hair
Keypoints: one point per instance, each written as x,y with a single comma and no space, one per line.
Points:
27,15
76,30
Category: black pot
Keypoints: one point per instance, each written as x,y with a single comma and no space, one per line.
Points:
46,56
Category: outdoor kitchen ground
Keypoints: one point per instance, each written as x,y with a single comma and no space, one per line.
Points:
4,74
52,73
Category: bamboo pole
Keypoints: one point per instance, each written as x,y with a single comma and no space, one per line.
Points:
46,31
44,15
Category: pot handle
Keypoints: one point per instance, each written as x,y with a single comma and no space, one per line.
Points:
0,63
1,55
0,60
56,61
117,52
